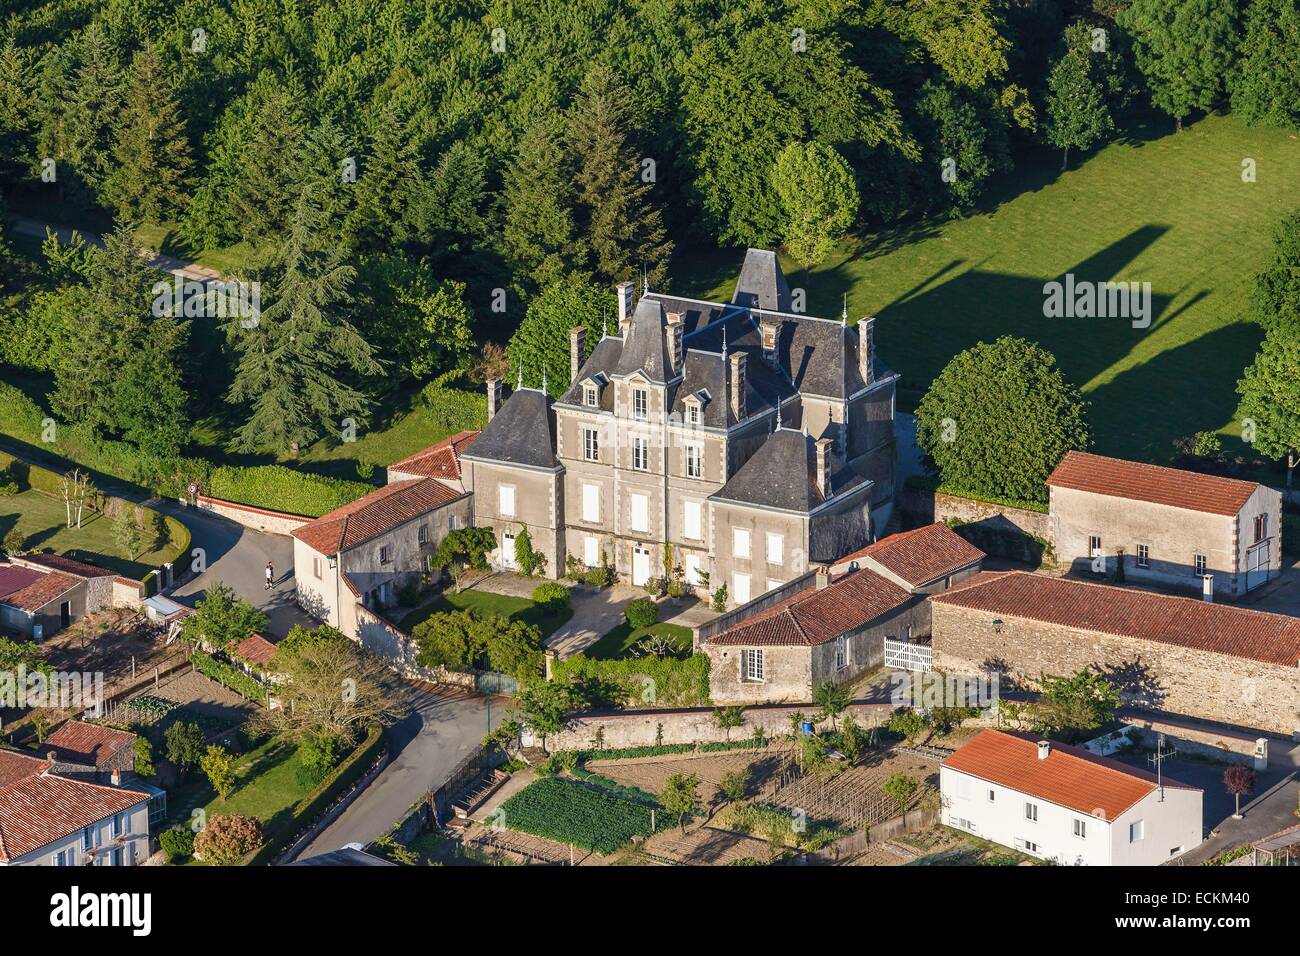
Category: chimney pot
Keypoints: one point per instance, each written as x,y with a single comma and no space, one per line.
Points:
770,331
738,360
116,777
823,578
494,397
1044,748
577,350
624,291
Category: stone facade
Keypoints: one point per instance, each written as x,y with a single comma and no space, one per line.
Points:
1165,677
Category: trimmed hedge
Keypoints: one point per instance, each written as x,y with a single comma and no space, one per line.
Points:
231,677
936,485
349,770
677,683
278,488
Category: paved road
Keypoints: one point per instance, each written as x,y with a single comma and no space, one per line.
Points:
180,267
425,747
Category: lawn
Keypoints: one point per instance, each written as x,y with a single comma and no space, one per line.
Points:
1156,207
43,522
570,812
619,642
488,603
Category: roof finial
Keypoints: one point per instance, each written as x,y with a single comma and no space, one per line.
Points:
519,382
724,341
645,279
844,313
543,378
778,415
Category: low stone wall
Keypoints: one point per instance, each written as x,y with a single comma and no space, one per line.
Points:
126,593
648,728
996,529
259,519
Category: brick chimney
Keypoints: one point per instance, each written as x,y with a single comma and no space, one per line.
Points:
624,291
866,348
674,330
823,450
770,330
738,360
494,396
577,350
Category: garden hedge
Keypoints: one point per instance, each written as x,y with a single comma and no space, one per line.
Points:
677,683
278,488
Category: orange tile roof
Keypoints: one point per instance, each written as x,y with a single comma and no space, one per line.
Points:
80,742
1124,612
374,514
1069,776
815,616
1136,481
61,562
255,649
922,555
39,809
438,461
15,766
36,595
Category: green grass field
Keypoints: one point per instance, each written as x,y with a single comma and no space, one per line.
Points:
1156,207
43,523
488,603
620,641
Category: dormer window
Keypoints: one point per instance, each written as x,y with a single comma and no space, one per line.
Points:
590,396
692,413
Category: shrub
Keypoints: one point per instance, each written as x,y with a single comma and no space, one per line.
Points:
641,681
143,757
719,602
553,597
317,756
177,843
219,767
641,613
278,488
227,839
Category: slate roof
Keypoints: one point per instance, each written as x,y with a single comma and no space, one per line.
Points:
521,433
1069,776
374,514
603,358
1144,615
1116,478
922,555
645,346
782,474
438,461
761,283
37,808
815,616
79,742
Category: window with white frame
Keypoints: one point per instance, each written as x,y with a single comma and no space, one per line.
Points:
88,838
591,444
121,824
740,542
740,585
694,461
775,548
640,403
385,554
1198,563
691,563
590,395
1261,527
693,413
841,652
591,502
62,858
590,552
1144,556
316,567
1136,831
640,513
1031,812
422,534
1094,545
506,500
752,662
453,522
691,520
640,453
1081,828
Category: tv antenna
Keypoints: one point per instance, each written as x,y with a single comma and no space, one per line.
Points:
1158,758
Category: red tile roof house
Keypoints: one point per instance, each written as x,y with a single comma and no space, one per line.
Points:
1165,526
91,745
48,819
1062,803
827,626
41,594
1178,655
440,461
355,559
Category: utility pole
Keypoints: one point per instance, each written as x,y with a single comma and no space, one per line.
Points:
1158,758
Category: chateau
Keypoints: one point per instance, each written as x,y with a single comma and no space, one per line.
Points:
738,441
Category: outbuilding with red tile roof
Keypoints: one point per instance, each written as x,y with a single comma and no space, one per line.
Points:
927,559
1164,526
1058,802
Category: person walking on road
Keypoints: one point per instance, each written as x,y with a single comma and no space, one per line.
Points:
270,576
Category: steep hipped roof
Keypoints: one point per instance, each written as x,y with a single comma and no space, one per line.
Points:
603,359
521,433
1105,609
374,514
922,555
1068,776
762,284
782,474
79,742
645,346
37,808
1137,481
815,616
438,461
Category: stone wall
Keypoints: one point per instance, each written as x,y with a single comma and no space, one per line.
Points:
996,529
1150,675
646,728
259,519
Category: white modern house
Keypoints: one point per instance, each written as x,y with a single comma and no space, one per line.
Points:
1062,803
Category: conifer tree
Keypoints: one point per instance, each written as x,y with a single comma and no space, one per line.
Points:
539,234
265,187
17,109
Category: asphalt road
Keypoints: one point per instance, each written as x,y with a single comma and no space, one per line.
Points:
424,747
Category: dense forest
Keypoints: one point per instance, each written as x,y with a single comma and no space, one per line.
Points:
411,181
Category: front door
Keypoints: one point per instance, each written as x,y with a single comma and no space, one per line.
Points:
507,550
640,565
65,614
1257,566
